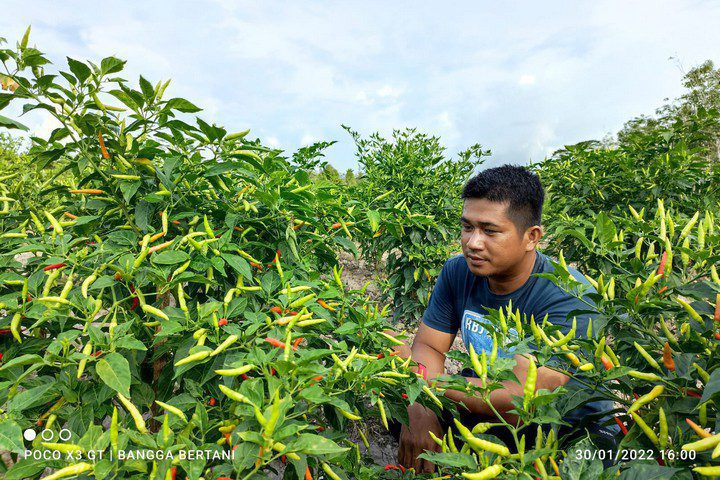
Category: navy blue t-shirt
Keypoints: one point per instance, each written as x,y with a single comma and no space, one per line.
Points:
459,299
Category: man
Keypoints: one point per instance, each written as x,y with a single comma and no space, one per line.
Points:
501,229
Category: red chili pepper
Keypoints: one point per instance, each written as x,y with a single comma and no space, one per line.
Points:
380,355
277,310
283,459
212,401
297,342
607,363
395,467
244,376
256,265
667,357
272,371
173,473
662,289
291,313
103,150
404,395
29,298
135,303
54,266
97,354
717,335
5,331
1,355
39,423
235,446
621,425
317,378
320,428
663,261
222,322
227,437
693,393
276,343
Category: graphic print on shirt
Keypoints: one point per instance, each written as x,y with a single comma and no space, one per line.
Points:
473,332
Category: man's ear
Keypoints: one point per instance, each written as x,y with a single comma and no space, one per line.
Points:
532,237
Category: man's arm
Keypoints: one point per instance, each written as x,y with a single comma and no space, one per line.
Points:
429,349
501,399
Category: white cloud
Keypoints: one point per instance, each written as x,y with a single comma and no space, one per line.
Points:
526,79
307,139
389,91
49,123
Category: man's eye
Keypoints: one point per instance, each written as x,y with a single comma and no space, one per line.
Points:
467,228
490,232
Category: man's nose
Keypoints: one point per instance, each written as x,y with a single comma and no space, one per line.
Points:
476,241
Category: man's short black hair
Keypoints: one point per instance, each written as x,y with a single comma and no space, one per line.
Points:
512,184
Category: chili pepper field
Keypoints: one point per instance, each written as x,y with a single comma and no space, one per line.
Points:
172,304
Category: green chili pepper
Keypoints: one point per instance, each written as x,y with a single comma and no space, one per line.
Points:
648,358
530,381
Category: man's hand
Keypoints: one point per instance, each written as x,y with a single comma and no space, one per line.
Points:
414,439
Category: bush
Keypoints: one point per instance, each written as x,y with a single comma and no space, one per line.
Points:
412,195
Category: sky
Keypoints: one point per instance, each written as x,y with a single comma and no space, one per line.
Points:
522,78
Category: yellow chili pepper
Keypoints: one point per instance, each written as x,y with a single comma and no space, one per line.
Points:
134,412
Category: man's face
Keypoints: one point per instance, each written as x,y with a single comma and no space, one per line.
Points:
490,241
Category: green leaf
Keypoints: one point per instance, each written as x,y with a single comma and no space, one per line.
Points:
114,370
129,189
577,468
25,468
170,257
182,105
79,69
124,98
238,264
712,386
5,99
11,438
605,228
26,359
32,397
147,89
143,210
374,218
12,124
111,65
458,460
315,445
129,342
639,471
